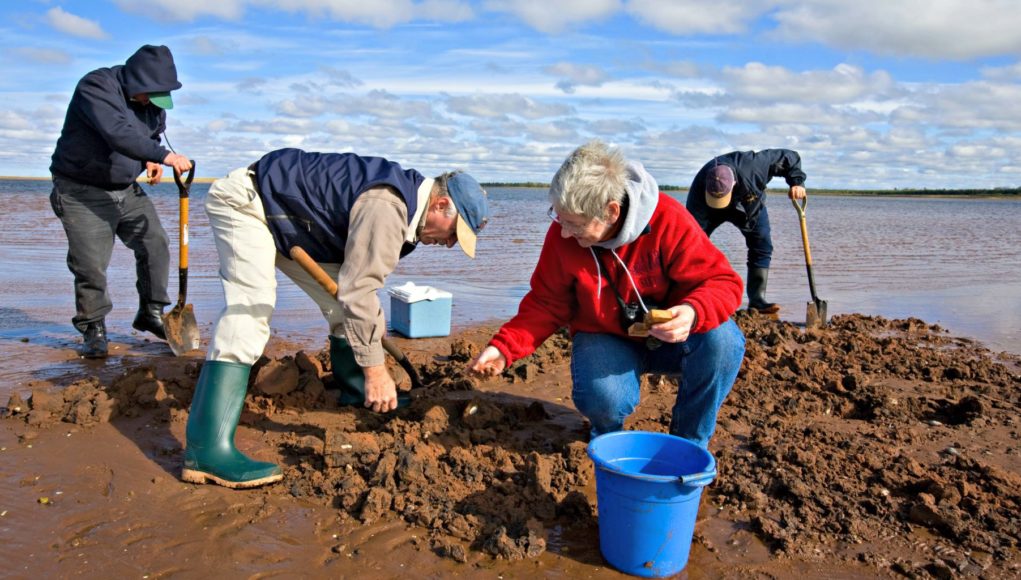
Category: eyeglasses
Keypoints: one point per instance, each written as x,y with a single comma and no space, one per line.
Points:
567,226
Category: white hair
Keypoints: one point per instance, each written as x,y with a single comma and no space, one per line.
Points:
440,190
592,176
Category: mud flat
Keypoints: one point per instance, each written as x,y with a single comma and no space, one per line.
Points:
875,448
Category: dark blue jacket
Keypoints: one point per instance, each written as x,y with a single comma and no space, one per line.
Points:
308,196
753,171
107,137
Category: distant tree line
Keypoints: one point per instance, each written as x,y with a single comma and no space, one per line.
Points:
999,191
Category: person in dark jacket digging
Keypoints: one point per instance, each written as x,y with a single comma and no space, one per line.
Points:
111,135
356,216
732,188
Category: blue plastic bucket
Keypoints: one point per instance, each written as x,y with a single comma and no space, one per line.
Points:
648,486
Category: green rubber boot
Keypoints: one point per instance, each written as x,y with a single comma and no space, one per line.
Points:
210,455
349,377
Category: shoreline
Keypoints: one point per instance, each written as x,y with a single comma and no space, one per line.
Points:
1000,193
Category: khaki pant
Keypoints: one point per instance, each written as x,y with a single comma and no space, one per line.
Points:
248,263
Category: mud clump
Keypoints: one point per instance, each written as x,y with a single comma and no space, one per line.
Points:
868,432
886,443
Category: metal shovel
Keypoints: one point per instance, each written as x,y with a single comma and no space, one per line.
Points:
815,315
180,325
315,270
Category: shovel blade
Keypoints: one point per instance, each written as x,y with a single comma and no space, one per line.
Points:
182,329
815,314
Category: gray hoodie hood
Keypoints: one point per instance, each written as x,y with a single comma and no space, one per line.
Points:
643,196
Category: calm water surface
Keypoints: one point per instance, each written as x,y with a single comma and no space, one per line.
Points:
955,262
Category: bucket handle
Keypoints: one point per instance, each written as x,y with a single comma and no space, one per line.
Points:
697,479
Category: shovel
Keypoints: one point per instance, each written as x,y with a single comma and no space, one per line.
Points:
309,265
181,328
815,315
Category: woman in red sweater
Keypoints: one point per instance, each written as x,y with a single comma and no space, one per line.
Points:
616,249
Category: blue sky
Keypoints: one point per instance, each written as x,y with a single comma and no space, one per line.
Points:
872,93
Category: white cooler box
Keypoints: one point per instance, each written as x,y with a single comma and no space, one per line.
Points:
420,311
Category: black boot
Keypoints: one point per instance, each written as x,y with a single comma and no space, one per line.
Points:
150,319
757,278
95,340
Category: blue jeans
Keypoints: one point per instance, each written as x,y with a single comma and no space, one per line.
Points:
757,235
607,369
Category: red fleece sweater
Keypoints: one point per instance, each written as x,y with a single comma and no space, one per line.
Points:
672,262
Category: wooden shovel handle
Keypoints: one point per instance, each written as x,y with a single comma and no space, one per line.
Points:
305,261
315,270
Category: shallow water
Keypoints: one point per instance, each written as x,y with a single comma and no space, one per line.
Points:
955,262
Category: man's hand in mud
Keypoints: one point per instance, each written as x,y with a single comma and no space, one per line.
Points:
153,172
678,329
380,390
490,362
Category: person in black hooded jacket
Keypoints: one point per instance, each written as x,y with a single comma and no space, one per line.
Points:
111,134
732,188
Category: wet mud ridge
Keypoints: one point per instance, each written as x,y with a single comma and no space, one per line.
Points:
883,443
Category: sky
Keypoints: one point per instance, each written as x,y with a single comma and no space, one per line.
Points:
874,94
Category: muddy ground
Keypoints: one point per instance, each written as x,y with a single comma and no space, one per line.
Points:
872,448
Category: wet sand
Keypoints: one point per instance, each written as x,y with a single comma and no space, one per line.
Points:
873,448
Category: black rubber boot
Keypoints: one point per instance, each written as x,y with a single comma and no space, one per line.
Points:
150,319
95,340
757,278
348,375
210,455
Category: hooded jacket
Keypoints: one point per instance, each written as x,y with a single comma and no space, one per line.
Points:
660,255
752,171
107,137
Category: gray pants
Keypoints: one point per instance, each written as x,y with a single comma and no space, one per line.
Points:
92,216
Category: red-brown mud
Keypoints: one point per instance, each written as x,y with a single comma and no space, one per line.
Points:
869,448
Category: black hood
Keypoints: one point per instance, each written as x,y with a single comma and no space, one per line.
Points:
150,70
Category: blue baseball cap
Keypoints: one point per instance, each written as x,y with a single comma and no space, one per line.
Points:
472,206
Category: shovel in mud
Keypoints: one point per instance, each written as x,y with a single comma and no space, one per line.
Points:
815,315
315,270
181,328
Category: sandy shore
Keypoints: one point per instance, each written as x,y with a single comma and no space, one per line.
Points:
873,448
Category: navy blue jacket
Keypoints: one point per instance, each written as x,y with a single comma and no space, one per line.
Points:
107,137
753,171
308,196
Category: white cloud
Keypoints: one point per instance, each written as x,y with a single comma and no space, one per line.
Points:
499,106
698,16
793,113
445,10
553,16
43,55
74,25
207,46
185,9
925,28
1002,73
378,13
975,105
573,75
558,132
843,84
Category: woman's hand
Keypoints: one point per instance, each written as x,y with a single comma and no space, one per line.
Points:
678,329
490,362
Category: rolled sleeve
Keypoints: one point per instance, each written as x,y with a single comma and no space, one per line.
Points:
378,225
